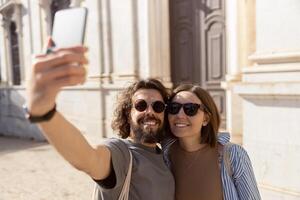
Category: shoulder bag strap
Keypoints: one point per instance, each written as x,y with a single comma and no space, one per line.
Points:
227,159
125,189
224,155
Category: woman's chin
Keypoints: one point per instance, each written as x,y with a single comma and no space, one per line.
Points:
180,134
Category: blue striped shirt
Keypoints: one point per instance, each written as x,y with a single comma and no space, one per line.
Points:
240,184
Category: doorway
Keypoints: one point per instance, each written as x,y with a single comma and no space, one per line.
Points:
198,46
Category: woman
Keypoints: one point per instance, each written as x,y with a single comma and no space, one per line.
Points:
205,165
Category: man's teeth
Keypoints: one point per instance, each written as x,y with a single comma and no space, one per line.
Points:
151,123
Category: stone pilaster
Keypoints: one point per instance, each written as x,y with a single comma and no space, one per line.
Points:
5,63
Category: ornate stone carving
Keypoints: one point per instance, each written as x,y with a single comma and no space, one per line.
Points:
75,3
5,22
8,6
45,3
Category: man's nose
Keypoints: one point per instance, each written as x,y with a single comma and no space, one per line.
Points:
149,109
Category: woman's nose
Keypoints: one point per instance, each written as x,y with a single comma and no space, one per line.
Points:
181,112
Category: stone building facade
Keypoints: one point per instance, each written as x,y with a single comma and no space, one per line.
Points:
246,53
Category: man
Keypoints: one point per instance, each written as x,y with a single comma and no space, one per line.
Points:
139,117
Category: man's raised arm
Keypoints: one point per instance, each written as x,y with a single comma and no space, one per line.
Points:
49,74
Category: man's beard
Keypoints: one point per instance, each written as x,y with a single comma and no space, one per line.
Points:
147,135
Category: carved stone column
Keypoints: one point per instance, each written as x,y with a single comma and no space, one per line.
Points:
233,76
5,62
17,18
7,11
45,17
159,41
44,3
76,3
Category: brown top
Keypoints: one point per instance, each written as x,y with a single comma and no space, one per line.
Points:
197,174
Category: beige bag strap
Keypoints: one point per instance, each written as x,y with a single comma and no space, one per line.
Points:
125,189
227,159
224,154
95,192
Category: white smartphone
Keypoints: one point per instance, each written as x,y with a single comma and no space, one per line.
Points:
69,27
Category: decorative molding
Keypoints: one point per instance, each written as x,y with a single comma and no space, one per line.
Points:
271,90
119,76
76,3
6,7
5,22
275,58
280,190
286,67
45,4
12,12
233,77
17,18
229,84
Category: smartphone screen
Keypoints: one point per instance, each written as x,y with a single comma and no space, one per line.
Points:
69,27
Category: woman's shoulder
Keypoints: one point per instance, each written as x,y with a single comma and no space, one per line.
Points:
236,150
237,153
224,139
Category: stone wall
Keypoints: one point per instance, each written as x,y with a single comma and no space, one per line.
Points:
270,89
12,118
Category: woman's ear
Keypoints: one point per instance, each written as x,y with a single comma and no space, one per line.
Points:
206,119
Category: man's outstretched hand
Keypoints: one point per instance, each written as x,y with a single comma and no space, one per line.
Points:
50,72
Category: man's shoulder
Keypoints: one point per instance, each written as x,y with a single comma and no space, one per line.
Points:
116,144
114,140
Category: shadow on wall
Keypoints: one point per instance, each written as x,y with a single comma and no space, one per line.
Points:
275,101
12,118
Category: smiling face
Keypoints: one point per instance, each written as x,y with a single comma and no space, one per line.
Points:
147,125
182,125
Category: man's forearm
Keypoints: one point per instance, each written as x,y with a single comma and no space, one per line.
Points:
68,141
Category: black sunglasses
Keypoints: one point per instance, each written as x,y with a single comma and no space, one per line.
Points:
190,109
158,106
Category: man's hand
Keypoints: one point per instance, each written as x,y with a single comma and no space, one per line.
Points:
50,72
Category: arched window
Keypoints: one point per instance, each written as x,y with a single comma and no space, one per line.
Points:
16,72
57,5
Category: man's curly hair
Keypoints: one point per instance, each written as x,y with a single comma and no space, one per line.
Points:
121,118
